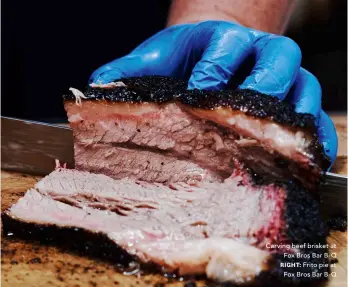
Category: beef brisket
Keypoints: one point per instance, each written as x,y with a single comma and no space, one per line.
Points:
233,231
152,128
193,182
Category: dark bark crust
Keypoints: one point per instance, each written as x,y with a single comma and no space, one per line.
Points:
304,225
337,223
160,89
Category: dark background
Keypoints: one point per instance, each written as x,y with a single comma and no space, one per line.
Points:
50,46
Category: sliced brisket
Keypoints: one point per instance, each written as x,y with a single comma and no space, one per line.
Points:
194,182
157,118
231,231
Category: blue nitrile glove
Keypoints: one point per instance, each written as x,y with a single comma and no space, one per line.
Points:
209,53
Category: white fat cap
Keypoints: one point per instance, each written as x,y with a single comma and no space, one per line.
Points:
108,85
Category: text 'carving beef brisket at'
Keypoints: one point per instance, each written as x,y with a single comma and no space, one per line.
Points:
231,231
153,129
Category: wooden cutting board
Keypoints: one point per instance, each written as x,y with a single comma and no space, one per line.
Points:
26,264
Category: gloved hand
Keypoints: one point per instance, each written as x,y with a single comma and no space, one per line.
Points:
209,54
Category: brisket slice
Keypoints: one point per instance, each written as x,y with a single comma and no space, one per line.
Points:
233,231
153,129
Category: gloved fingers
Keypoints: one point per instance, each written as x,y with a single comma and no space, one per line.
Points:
278,61
128,66
306,94
159,55
224,49
327,135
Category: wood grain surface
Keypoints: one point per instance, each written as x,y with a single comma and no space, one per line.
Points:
28,264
